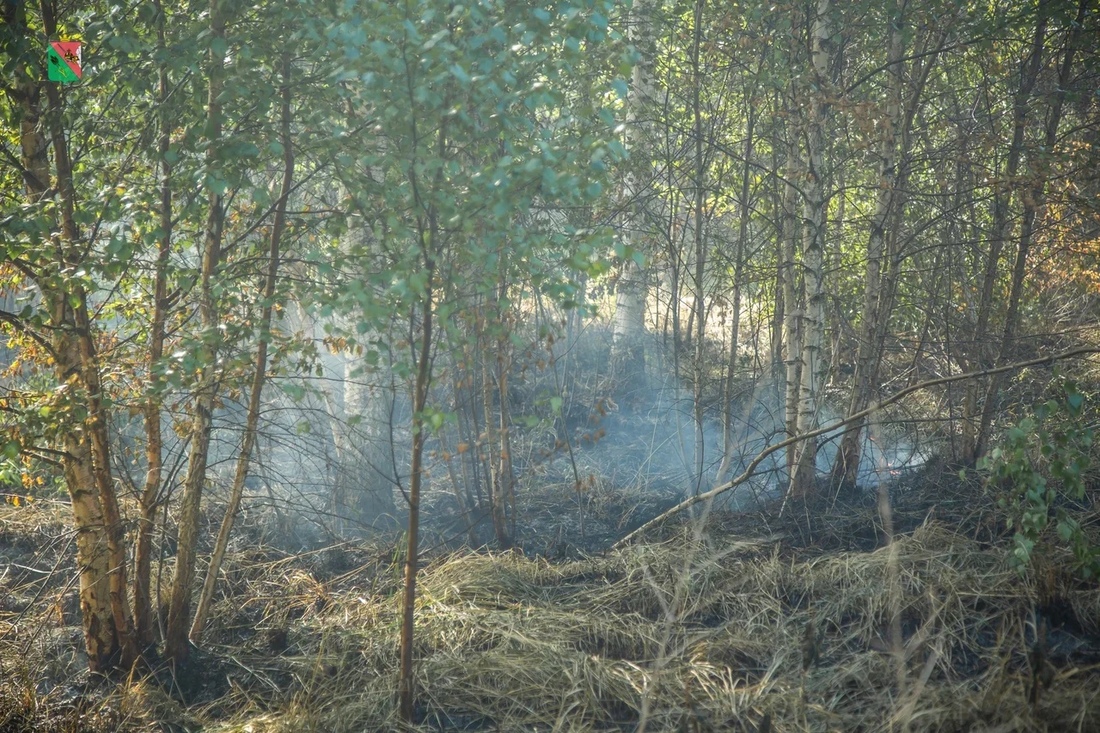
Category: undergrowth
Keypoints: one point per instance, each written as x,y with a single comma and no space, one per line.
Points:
715,626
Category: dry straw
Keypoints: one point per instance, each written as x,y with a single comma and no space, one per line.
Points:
704,631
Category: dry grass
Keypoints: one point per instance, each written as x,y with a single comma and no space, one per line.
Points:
700,632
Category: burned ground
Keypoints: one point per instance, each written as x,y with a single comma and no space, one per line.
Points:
819,618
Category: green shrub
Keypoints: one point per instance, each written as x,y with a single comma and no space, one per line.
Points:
1040,467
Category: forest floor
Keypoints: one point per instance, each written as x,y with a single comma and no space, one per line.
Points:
823,619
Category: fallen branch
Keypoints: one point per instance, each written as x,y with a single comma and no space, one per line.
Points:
751,468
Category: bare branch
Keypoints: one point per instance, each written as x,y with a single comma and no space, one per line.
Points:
755,463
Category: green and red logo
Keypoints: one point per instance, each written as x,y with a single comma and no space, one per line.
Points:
63,61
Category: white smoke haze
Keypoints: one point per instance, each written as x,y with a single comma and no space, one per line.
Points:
635,454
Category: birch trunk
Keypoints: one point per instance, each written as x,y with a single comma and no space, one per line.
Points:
699,310
154,465
813,250
101,555
628,327
176,645
728,438
792,301
868,351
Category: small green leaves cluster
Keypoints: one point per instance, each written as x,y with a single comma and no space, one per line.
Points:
1041,468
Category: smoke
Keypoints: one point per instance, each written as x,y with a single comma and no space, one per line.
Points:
638,442
649,441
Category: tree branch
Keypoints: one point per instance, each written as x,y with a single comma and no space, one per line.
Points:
755,463
21,326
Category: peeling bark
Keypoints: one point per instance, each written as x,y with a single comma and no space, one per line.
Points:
101,556
813,260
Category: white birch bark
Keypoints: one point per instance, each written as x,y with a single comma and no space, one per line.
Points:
628,327
813,256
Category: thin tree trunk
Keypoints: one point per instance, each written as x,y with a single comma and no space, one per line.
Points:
802,482
428,236
154,462
1032,202
699,309
177,647
792,325
408,604
462,380
259,375
459,489
101,556
462,481
1002,228
779,316
674,287
628,328
846,467
728,438
505,470
498,501
628,339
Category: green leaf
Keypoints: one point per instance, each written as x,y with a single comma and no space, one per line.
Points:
217,184
436,420
12,449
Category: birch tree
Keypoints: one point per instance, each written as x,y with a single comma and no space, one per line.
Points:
628,326
177,645
473,130
49,257
813,254
1001,226
904,92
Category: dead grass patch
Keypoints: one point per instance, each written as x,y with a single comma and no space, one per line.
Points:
698,632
